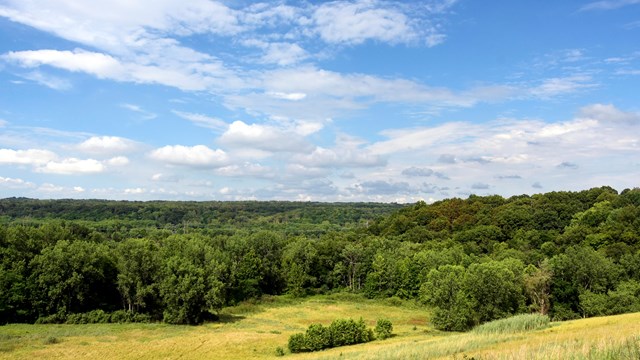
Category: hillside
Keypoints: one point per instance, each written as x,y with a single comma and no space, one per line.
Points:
255,330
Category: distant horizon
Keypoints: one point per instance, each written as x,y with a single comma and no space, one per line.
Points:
341,101
319,201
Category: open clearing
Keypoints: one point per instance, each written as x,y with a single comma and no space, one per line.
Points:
255,330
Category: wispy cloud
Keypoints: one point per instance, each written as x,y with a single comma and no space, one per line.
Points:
50,81
203,120
608,4
144,114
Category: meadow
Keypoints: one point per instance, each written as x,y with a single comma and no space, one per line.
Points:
253,330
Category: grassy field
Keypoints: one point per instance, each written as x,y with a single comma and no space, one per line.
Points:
255,330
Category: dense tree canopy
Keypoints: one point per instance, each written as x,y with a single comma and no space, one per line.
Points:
568,254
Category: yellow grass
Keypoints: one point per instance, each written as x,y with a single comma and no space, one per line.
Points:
254,332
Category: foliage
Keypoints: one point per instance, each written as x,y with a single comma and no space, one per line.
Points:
566,254
341,332
383,329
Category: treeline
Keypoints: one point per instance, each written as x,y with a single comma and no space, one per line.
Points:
566,254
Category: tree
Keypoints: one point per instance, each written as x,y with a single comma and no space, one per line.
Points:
74,277
494,290
444,291
537,285
138,267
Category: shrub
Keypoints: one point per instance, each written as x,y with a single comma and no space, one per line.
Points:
318,337
279,351
97,317
52,319
341,332
121,316
297,343
383,329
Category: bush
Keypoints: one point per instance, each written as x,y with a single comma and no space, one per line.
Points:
297,343
383,329
121,316
318,337
279,351
52,319
341,332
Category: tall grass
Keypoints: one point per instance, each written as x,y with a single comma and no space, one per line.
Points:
514,324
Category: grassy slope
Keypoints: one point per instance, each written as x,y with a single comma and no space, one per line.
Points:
254,331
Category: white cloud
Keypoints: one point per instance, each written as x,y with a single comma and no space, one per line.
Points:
196,156
609,113
146,115
98,64
247,169
135,191
280,53
50,81
192,76
287,96
118,161
72,166
105,145
263,137
50,188
14,183
203,120
562,85
3,123
26,157
355,22
347,152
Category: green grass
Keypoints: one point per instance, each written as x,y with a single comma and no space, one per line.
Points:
255,330
514,324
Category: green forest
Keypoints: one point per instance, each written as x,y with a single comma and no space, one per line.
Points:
564,254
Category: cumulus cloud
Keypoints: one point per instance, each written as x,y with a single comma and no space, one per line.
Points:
609,113
263,137
14,183
26,157
196,156
348,152
72,166
118,161
106,145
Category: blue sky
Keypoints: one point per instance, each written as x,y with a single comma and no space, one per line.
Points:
323,101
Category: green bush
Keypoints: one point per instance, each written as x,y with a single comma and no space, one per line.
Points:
341,332
383,329
121,316
52,319
297,343
318,337
279,351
